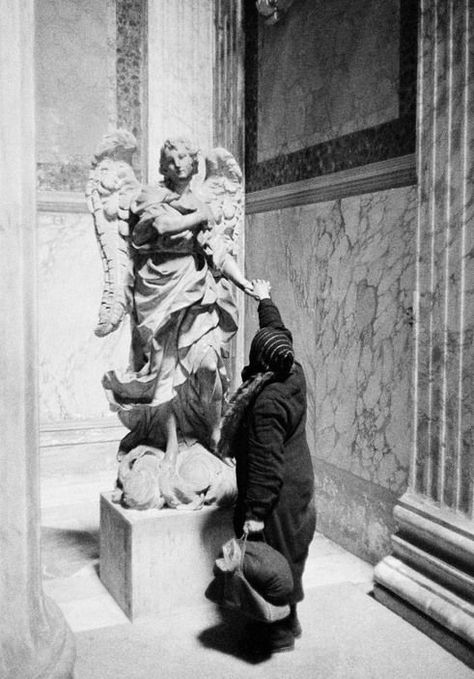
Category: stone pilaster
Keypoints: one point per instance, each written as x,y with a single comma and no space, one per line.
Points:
431,567
34,638
229,125
229,78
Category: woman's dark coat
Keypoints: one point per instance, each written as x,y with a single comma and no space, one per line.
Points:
274,471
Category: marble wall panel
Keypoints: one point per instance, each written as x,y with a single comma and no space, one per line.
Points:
75,86
91,75
71,359
327,70
330,87
343,275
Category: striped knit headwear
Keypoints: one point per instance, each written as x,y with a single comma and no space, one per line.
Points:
272,350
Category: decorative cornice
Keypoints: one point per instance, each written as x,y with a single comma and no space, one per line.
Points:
61,201
386,174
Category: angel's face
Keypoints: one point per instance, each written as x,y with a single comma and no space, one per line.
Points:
180,165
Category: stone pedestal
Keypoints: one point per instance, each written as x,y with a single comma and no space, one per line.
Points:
157,562
35,641
431,569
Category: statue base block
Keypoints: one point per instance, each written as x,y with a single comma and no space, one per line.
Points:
159,561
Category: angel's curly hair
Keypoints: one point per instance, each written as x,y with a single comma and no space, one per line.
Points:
172,144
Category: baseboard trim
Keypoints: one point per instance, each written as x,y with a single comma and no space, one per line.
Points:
86,432
61,201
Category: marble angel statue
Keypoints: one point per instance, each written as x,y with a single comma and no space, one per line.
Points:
169,265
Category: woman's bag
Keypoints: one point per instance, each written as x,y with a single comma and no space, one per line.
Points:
231,588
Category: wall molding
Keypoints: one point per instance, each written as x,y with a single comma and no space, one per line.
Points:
80,432
61,201
386,174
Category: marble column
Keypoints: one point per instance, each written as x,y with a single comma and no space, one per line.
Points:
229,125
34,638
432,565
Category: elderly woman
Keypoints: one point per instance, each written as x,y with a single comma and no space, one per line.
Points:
264,430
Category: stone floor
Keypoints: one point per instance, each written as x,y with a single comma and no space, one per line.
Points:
347,634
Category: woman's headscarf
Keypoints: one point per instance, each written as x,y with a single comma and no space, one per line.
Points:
272,350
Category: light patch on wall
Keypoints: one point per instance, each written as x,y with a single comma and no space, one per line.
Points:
72,78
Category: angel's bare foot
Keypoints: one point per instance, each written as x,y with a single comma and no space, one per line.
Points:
117,495
194,505
121,454
172,448
171,455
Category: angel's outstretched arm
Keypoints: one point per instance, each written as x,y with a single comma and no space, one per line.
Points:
223,191
231,270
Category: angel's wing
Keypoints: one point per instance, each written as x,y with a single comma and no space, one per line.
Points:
111,188
223,192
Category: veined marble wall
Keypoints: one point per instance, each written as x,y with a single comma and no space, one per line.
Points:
72,359
330,94
343,276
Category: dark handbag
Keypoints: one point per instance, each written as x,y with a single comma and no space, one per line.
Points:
232,590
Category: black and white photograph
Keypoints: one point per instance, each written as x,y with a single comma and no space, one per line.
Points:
237,339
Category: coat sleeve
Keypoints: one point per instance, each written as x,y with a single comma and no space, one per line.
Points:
269,317
267,431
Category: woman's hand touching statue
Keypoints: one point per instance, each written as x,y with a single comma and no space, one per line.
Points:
261,289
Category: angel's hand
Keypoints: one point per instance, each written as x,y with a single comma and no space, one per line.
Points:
261,289
248,288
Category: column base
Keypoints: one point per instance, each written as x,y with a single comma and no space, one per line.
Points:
429,578
416,605
48,653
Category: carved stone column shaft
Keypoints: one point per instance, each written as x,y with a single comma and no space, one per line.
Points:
229,124
34,639
431,567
